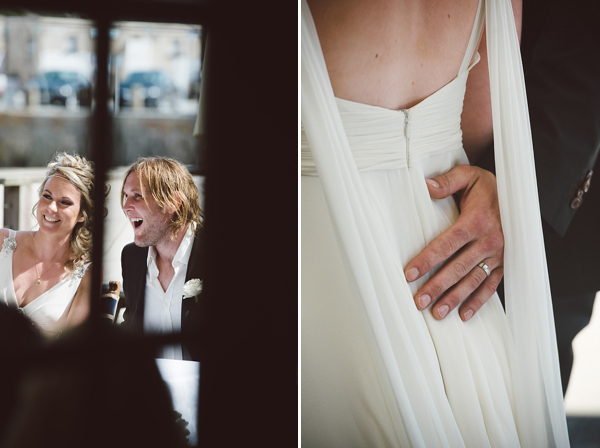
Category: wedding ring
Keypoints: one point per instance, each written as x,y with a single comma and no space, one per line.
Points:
485,268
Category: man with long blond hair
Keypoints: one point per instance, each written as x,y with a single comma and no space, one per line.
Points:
162,269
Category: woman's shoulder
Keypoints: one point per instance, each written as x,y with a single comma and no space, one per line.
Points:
17,233
21,236
12,239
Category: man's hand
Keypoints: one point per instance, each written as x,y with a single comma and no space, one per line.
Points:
476,236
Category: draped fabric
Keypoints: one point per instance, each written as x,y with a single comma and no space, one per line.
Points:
375,370
528,304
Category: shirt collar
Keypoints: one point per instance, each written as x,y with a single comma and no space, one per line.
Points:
182,256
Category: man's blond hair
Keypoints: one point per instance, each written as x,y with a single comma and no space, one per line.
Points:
172,187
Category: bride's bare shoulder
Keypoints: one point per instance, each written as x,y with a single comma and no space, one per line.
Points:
392,53
21,236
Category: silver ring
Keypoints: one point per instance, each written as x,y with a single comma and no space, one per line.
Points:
485,268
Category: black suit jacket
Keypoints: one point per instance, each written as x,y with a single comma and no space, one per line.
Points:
134,268
562,77
562,74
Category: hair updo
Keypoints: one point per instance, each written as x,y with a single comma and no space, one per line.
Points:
79,172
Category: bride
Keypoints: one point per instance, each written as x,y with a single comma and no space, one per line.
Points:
46,273
386,106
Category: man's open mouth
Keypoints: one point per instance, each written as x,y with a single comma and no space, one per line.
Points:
137,222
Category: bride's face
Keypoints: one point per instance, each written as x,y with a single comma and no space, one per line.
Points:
59,207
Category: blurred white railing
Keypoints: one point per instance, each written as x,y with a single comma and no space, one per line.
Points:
18,194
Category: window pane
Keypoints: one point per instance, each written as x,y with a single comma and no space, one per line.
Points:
155,78
46,87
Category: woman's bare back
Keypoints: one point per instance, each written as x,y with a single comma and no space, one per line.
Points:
395,53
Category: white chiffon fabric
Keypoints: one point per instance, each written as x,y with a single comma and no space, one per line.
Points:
50,306
375,370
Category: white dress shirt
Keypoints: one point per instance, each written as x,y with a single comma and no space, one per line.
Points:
162,309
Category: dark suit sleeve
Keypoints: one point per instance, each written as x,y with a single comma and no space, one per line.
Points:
192,311
562,77
126,276
133,269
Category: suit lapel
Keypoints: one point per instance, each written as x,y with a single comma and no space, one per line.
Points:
140,282
195,269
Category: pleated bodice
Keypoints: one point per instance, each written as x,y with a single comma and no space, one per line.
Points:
382,138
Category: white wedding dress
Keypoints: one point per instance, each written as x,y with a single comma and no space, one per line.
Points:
376,372
50,306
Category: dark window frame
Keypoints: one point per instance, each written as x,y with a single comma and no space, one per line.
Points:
249,372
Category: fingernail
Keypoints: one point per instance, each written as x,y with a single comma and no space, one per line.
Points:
468,314
443,310
424,300
412,274
433,183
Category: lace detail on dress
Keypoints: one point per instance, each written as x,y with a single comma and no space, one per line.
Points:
78,274
9,244
80,271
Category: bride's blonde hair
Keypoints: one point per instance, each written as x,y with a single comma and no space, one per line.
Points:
80,172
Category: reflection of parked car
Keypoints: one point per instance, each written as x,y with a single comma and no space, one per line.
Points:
60,87
153,87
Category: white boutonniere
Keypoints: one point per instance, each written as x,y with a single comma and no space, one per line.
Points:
192,288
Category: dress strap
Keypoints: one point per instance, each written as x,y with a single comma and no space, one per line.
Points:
473,40
12,233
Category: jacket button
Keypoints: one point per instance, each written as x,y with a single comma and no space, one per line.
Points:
588,181
576,202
